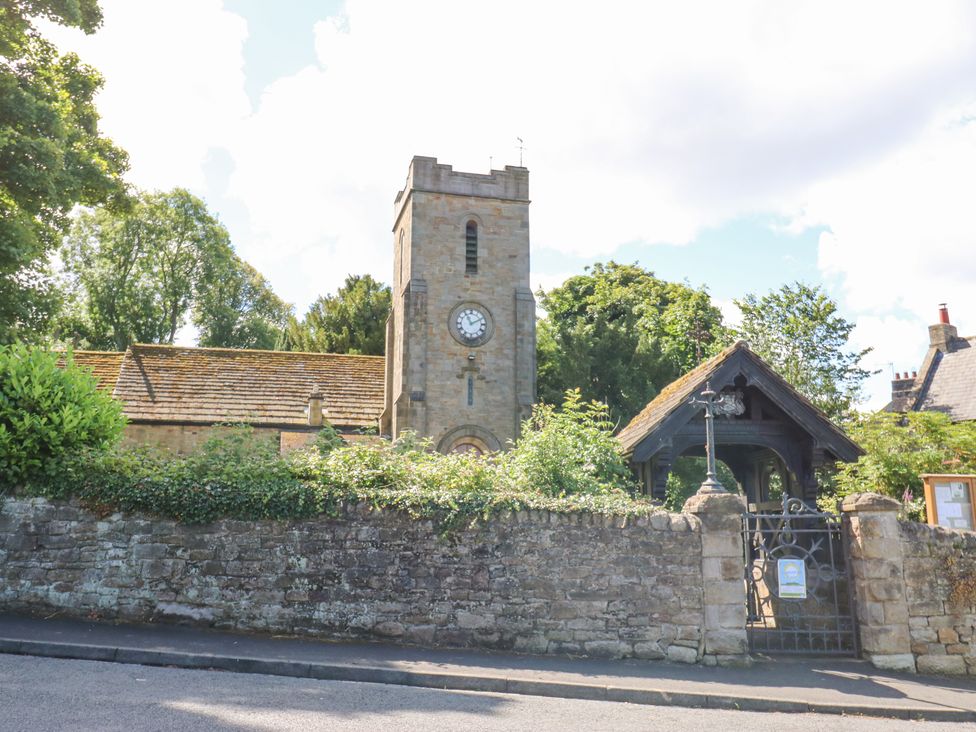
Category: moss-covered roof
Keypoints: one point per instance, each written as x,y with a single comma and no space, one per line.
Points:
207,385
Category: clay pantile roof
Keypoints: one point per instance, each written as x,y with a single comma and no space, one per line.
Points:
208,385
671,397
103,365
950,386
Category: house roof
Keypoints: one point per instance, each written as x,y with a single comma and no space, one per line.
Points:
673,403
207,385
103,365
949,385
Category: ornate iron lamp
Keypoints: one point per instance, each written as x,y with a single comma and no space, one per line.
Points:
715,403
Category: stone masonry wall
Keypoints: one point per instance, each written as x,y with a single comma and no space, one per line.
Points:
914,589
940,586
532,581
180,439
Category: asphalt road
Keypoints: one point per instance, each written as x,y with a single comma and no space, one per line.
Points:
40,694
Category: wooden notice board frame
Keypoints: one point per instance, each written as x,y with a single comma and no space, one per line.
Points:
947,494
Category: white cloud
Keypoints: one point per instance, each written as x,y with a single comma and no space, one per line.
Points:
642,122
902,233
174,83
902,240
731,315
898,346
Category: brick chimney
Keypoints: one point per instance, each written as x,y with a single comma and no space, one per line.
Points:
315,407
901,388
942,334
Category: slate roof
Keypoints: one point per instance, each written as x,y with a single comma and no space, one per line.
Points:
103,365
950,384
677,394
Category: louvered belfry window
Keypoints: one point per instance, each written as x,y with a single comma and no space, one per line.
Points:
471,248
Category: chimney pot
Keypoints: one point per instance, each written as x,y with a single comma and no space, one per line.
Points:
943,313
914,374
897,376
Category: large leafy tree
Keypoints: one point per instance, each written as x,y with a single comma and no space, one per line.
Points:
52,156
620,334
136,275
237,308
798,331
351,321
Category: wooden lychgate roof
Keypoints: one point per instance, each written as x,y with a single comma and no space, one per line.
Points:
671,409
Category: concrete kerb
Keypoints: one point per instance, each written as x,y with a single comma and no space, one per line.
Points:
461,681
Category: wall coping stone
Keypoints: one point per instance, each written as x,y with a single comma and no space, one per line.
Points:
724,503
874,502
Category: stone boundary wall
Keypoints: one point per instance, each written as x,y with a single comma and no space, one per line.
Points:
914,589
532,581
940,586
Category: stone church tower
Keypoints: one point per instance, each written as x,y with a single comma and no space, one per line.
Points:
460,342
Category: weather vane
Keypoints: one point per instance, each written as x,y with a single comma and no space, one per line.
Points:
521,149
715,403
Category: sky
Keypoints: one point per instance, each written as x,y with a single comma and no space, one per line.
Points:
740,146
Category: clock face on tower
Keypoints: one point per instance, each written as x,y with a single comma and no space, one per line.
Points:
470,324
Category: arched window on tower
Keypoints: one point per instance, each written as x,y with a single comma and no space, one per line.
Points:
471,248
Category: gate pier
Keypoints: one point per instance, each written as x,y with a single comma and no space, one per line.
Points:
723,634
877,562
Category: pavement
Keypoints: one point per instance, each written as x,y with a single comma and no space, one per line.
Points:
776,684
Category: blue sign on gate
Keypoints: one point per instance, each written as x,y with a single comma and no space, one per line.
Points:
792,576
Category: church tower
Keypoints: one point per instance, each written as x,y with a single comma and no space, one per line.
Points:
460,341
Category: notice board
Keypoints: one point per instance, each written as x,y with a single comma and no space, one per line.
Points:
949,501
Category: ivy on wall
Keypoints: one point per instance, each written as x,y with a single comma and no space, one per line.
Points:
567,461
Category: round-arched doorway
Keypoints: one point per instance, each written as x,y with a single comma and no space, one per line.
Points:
468,439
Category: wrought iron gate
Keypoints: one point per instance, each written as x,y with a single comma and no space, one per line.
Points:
797,590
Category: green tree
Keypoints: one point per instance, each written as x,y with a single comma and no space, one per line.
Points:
132,276
620,335
351,321
48,413
52,156
900,447
797,330
237,308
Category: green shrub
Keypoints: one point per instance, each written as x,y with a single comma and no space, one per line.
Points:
327,439
47,413
899,448
234,475
569,451
239,475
